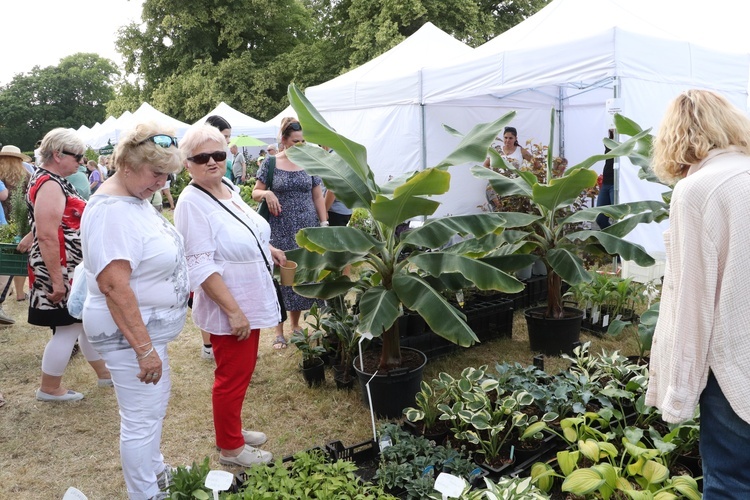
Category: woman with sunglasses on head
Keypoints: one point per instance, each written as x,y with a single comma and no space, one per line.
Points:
295,201
137,280
54,245
230,262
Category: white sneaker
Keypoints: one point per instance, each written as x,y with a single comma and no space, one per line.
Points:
248,457
105,382
254,438
207,352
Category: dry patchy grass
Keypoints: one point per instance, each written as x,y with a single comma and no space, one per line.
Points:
46,447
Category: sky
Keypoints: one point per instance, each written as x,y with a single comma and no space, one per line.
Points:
41,32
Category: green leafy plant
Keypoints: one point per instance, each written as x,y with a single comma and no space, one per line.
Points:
413,462
595,467
308,340
427,400
309,475
553,235
189,482
19,211
398,280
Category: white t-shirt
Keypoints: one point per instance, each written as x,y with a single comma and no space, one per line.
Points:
130,229
216,242
102,170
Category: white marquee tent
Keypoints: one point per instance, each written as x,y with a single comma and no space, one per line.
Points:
110,133
241,123
573,55
378,103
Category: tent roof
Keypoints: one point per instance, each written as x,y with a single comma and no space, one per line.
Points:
112,128
241,123
579,43
712,26
391,78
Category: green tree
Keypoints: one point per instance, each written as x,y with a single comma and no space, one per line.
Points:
370,27
68,95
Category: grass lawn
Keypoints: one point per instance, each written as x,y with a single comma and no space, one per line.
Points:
47,447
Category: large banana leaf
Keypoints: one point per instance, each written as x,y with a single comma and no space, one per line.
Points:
502,185
562,192
352,189
618,211
337,239
407,200
437,232
331,261
615,246
483,275
568,265
444,319
325,289
511,262
473,147
317,130
477,247
379,309
624,149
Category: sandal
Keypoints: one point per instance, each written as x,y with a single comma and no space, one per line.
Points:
25,297
279,343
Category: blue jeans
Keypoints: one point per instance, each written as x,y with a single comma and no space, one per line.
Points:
724,445
606,197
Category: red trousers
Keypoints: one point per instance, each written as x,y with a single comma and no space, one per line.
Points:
235,363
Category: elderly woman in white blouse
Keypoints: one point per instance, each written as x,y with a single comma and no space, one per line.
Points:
137,280
230,261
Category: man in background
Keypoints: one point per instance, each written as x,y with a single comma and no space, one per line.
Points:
239,166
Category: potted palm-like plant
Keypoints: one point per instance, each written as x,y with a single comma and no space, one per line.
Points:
397,280
555,236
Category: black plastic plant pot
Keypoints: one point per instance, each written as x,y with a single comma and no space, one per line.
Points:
393,391
314,372
552,336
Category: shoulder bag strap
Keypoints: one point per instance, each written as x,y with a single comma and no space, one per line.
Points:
271,169
262,253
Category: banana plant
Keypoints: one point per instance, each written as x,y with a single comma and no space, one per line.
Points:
554,234
398,280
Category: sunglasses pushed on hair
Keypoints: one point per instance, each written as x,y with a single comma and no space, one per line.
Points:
77,156
162,140
202,159
293,126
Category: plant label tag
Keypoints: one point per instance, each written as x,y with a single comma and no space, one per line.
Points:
618,317
74,494
367,335
219,480
449,485
605,320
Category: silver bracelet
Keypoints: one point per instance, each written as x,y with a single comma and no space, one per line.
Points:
139,357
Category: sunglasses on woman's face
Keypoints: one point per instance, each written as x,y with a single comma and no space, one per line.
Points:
78,157
162,140
202,159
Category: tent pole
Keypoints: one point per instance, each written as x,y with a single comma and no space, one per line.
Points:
560,122
422,123
617,92
423,133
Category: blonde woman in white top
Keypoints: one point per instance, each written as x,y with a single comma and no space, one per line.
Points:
701,346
